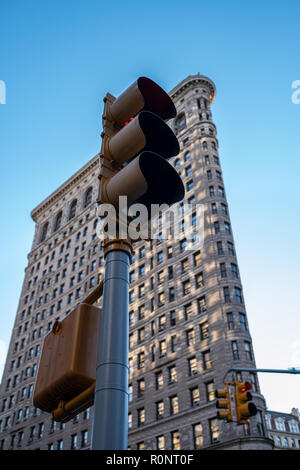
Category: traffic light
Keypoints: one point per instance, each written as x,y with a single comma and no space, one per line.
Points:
243,406
136,145
224,403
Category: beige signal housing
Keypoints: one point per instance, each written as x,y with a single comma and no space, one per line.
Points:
69,358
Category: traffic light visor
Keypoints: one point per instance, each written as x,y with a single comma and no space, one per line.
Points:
143,94
147,179
145,132
156,99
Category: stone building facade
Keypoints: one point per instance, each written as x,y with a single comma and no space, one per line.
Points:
284,429
187,317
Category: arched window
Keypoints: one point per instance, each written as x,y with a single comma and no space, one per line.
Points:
58,220
44,231
187,156
88,197
180,123
73,209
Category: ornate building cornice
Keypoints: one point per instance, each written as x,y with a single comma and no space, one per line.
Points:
192,81
64,188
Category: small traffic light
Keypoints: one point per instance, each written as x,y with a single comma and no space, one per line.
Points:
136,145
243,406
224,403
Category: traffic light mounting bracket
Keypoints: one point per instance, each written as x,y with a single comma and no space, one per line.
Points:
108,167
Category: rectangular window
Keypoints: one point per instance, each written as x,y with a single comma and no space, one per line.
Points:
190,185
224,209
193,367
235,352
216,227
161,299
141,360
172,318
153,352
160,257
230,249
186,287
230,323
223,270
188,171
220,248
171,294
160,409
214,430
187,311
195,396
142,270
140,388
206,360
234,271
162,348
242,320
226,294
141,290
199,280
160,443
210,391
184,265
174,405
238,295
173,343
197,258
248,351
183,245
198,435
190,337
204,333
162,323
141,334
175,439
227,228
221,192
172,374
159,380
141,416
202,304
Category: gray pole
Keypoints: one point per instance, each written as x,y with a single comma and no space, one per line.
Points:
291,370
110,422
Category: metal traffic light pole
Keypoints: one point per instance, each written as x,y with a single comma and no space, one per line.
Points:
291,370
110,421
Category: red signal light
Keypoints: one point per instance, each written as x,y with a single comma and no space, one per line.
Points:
127,122
247,386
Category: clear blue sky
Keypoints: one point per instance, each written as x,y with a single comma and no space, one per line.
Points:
59,58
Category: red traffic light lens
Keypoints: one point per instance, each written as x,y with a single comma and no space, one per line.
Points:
247,386
127,122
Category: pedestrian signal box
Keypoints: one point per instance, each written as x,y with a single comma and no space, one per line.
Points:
68,361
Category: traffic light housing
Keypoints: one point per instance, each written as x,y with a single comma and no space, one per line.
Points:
223,403
243,406
136,143
67,367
